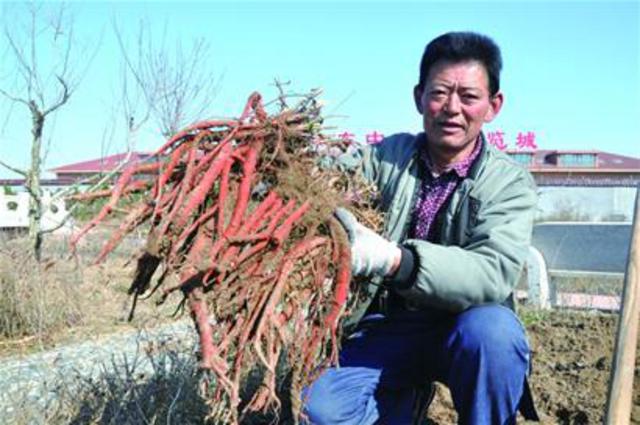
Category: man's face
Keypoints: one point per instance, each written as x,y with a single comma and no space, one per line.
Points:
455,103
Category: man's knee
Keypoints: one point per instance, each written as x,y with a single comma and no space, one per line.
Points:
317,399
335,397
490,329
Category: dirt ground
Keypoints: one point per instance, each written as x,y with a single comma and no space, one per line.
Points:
572,354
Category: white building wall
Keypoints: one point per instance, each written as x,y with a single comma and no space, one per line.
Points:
586,203
14,211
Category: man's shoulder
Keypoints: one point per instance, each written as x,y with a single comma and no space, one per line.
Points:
398,139
502,158
398,145
501,165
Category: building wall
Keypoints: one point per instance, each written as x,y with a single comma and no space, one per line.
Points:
561,203
14,211
584,178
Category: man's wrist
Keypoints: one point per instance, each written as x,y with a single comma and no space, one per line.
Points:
404,273
397,258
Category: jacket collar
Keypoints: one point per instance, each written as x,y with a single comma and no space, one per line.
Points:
479,162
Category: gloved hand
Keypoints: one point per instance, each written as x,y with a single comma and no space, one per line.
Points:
371,254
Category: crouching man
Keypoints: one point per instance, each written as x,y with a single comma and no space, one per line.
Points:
459,219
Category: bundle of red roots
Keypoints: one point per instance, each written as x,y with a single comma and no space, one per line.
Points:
238,215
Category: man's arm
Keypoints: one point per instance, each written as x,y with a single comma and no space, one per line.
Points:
486,269
450,277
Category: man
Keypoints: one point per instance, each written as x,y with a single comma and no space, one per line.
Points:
459,219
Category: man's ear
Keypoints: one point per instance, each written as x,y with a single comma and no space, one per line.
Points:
495,105
417,98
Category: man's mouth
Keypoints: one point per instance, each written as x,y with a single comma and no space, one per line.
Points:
450,126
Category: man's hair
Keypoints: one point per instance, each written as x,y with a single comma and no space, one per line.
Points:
459,47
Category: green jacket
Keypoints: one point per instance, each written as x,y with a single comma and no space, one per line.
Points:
483,232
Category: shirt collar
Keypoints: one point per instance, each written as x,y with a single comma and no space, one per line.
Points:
460,168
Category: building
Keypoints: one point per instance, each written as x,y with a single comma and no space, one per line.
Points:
14,204
66,175
582,185
573,185
580,168
84,169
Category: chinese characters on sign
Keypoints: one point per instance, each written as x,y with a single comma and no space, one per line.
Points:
371,138
527,141
496,138
524,141
346,136
375,137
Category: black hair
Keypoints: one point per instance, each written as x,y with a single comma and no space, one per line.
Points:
459,47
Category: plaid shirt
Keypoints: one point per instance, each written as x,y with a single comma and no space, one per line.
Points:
436,189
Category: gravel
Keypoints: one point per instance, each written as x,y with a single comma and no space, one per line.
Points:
33,380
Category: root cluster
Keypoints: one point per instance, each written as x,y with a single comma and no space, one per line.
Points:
238,217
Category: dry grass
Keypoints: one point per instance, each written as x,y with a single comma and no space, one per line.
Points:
66,298
33,301
595,285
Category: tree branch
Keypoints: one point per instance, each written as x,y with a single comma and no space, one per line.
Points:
176,83
15,170
63,97
59,225
35,196
13,98
19,55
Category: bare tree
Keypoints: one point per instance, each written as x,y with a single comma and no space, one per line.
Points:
40,50
177,84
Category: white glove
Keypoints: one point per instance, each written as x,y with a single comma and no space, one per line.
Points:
371,254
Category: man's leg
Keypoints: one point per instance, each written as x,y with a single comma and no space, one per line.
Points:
488,357
351,396
380,367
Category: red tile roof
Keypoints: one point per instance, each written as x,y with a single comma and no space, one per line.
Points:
101,165
613,161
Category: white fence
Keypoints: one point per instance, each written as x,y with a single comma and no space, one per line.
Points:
14,211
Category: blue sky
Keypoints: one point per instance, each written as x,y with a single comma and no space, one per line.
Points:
571,69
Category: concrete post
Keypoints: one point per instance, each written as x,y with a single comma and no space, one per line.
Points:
537,280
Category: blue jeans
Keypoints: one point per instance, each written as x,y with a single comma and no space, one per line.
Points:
481,354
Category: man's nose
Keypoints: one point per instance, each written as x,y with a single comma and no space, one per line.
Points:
453,104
